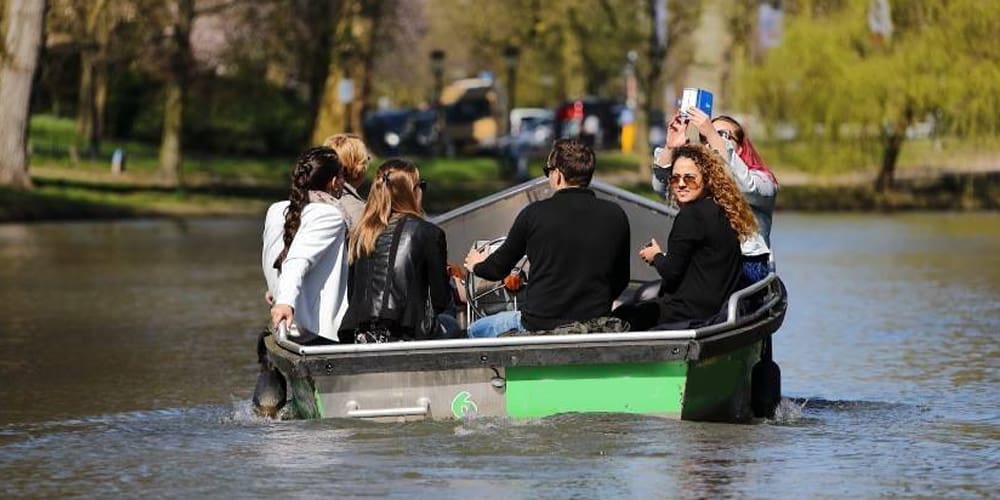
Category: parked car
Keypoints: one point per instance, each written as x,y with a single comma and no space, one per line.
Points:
591,119
471,115
401,131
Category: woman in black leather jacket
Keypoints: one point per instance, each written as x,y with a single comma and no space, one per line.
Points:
399,284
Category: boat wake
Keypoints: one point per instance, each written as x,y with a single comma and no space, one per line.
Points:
788,411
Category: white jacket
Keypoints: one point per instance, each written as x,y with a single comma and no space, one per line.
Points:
313,278
273,243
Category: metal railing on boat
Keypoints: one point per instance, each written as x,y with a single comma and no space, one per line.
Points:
734,319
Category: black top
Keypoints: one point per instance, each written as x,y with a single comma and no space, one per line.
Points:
702,265
404,282
578,249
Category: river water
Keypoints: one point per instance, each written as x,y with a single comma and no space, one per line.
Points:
126,364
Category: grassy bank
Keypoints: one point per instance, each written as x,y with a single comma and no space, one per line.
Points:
72,185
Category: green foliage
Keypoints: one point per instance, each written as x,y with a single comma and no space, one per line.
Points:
242,116
836,82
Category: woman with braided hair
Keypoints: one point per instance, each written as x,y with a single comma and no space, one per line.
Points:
310,288
702,265
400,287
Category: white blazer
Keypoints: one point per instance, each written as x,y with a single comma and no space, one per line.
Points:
313,278
274,232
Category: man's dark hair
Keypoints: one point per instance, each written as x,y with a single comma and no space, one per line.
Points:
574,159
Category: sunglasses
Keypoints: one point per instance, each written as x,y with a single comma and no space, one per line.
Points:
422,185
546,170
725,134
689,180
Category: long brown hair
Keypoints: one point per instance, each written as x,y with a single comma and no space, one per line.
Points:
721,187
313,170
393,192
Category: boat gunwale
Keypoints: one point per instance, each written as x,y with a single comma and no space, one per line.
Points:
733,321
629,349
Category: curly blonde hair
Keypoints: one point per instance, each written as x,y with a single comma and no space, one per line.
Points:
353,154
720,185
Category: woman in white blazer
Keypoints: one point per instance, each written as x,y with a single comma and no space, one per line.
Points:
311,288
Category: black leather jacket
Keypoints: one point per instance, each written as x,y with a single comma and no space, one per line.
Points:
404,283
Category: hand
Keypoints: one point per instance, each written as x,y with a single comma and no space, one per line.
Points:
279,313
269,298
676,133
650,251
474,257
701,121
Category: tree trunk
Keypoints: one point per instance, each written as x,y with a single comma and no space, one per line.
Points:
175,90
649,87
85,104
332,115
23,39
893,145
93,78
170,141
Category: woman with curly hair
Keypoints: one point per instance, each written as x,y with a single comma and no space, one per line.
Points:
760,187
701,267
400,287
310,289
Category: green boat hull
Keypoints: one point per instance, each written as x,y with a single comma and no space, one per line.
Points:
691,374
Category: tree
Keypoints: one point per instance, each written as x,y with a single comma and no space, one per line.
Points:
93,93
177,31
362,31
836,81
22,39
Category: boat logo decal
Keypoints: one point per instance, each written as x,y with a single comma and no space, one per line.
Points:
463,405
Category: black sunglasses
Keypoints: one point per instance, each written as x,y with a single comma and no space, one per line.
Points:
546,170
725,134
422,185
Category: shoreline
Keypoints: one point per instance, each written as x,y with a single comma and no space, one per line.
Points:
55,199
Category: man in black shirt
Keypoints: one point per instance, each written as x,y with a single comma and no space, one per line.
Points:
577,244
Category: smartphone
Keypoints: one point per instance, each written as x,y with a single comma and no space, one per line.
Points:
695,98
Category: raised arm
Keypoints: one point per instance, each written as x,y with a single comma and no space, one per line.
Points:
676,136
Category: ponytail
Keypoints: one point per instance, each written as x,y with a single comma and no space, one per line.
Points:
313,171
392,193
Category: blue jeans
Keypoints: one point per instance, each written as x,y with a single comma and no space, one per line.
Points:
495,324
754,271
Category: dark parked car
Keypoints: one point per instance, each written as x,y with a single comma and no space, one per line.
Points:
395,132
591,119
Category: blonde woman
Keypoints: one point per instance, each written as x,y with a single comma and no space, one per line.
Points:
702,264
400,287
355,157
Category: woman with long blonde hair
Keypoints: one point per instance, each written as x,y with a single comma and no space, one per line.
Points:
702,264
400,287
355,157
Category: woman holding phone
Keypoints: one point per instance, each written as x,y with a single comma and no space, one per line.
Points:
755,180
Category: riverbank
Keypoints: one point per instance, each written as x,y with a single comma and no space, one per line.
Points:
77,194
939,174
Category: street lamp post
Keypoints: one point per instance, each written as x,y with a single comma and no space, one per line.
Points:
511,54
437,67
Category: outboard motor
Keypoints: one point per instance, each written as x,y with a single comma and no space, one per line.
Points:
269,393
